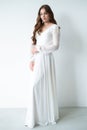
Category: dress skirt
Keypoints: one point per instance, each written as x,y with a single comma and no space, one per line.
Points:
42,103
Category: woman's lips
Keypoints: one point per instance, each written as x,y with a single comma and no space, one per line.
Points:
44,18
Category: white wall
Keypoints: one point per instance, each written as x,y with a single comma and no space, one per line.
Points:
17,18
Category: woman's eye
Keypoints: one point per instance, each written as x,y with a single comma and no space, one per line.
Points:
43,14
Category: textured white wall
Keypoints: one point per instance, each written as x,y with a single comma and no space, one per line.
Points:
17,18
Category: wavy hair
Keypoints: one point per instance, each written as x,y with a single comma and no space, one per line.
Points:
39,22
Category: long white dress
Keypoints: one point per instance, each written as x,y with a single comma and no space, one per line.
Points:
43,104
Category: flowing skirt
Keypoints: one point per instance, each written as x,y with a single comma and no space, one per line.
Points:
42,95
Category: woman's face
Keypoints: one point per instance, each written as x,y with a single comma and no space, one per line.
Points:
44,15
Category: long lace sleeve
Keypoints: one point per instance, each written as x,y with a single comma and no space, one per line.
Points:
55,42
31,56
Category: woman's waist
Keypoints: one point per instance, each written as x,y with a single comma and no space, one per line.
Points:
42,55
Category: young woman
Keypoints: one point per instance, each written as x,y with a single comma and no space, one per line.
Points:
43,104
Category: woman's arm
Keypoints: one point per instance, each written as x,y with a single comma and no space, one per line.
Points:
31,55
31,58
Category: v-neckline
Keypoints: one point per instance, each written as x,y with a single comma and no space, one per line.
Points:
47,28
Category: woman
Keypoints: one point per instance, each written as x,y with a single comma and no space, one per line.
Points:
43,104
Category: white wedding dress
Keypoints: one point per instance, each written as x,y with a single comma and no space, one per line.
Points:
43,104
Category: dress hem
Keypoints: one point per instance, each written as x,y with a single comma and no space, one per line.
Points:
42,124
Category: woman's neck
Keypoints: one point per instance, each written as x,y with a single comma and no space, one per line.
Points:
47,24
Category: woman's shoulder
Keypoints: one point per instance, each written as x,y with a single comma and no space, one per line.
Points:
55,26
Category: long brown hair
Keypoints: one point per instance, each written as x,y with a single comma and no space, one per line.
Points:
39,22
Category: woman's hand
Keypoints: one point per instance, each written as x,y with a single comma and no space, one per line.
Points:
34,50
31,65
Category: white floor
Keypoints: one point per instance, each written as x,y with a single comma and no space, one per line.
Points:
70,119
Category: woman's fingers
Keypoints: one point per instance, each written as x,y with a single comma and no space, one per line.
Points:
31,65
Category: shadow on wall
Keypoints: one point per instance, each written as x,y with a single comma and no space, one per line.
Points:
66,62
